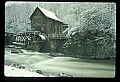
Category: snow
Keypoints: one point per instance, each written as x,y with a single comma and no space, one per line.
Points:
43,37
66,30
31,52
69,43
15,72
49,14
73,33
18,43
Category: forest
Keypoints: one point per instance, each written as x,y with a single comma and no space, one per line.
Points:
92,25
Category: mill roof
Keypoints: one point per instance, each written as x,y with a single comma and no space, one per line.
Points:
48,14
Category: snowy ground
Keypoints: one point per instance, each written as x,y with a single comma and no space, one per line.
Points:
54,65
15,72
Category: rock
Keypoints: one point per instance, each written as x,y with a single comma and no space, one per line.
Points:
22,67
39,71
15,64
64,75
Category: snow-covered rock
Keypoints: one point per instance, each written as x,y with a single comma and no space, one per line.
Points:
29,52
15,72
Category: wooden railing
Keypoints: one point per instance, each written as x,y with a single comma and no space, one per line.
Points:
57,36
29,32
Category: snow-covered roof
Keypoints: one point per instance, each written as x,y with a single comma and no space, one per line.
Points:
49,14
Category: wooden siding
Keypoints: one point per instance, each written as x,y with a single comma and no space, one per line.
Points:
48,26
41,23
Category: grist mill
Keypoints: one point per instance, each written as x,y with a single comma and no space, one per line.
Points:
46,33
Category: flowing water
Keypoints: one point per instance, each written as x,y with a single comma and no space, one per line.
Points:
54,65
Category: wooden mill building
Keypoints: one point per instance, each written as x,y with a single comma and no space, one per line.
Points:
46,31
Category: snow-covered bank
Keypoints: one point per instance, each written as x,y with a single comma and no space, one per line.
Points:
15,72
